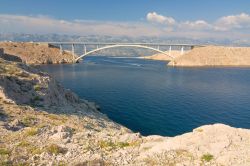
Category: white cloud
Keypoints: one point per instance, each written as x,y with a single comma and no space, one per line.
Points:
240,21
39,24
234,26
195,25
157,18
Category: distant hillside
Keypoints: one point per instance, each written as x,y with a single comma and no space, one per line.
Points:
33,53
214,56
120,39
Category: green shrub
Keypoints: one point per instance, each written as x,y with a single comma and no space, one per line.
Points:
122,144
55,149
105,144
4,151
23,144
31,132
37,87
112,145
207,157
29,121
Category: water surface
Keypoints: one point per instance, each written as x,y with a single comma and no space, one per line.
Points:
151,98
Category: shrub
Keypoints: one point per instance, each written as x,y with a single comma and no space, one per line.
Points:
112,145
105,144
55,149
37,87
31,132
122,144
4,151
29,121
23,144
207,157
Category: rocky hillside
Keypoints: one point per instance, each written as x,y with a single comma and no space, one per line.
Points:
41,123
34,53
214,56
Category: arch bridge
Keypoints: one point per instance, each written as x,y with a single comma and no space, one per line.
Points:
101,46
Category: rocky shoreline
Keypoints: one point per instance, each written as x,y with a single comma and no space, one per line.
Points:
42,123
207,56
34,53
214,56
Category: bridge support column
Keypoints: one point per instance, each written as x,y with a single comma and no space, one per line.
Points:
158,47
85,49
182,50
61,50
73,53
170,49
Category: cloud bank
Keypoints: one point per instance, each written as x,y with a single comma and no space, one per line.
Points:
226,23
232,26
154,17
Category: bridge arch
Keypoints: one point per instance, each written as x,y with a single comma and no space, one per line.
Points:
122,45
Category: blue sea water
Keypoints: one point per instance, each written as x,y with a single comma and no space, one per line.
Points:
148,97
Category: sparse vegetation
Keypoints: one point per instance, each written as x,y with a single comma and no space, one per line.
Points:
4,151
112,145
199,130
23,144
37,87
37,98
31,132
34,150
55,149
106,144
122,144
29,121
207,157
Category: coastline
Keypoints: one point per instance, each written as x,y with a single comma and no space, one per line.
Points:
34,53
52,125
208,56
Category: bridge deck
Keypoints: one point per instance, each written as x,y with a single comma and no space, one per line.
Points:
104,43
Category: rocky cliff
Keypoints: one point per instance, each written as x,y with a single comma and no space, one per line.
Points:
41,123
34,53
214,56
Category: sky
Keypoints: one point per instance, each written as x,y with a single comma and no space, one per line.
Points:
167,18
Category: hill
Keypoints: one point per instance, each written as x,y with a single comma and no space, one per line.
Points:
34,53
214,56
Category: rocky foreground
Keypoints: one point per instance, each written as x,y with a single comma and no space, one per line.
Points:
41,123
34,53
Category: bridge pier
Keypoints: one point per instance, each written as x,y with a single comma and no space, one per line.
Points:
182,50
73,53
170,49
85,49
61,50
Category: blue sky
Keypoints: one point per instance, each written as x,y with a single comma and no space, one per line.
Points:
193,18
125,10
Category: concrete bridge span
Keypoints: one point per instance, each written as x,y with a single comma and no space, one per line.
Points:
101,46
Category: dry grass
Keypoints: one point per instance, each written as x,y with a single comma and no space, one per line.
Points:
55,149
31,132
